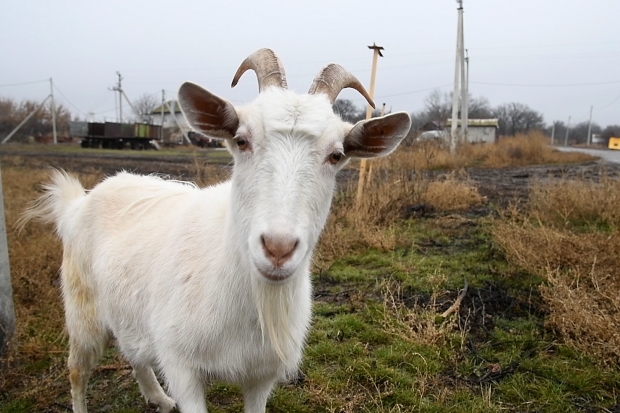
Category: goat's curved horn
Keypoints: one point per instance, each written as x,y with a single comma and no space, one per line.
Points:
332,79
268,68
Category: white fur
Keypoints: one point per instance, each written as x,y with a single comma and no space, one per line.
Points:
176,273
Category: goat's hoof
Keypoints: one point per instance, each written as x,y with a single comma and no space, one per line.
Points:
165,406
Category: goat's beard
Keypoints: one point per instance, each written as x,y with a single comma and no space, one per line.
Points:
273,303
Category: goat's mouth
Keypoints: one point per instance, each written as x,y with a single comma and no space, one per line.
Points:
275,275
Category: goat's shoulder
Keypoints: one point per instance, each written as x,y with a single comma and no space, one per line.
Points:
145,183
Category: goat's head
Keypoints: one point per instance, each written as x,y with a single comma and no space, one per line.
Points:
287,149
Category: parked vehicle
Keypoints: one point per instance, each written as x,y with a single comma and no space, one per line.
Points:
110,135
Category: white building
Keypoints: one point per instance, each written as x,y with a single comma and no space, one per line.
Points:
173,117
478,130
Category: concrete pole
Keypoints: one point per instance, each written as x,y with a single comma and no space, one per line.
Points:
120,98
53,106
553,134
7,311
457,78
465,96
589,137
5,140
163,102
567,129
371,92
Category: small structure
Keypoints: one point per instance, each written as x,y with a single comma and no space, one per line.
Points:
597,139
478,130
614,143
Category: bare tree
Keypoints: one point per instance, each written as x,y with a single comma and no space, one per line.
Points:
347,111
479,108
144,106
39,125
611,131
438,106
517,118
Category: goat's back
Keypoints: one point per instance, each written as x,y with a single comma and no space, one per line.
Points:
130,241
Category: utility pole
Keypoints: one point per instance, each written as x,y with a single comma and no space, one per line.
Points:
465,95
118,88
588,138
567,129
7,310
375,57
163,102
53,110
553,134
135,112
457,78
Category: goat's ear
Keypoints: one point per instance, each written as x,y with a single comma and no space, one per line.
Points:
377,136
207,113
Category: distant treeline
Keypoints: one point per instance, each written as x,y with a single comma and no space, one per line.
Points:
39,126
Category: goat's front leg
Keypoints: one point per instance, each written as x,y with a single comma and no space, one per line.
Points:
150,388
255,395
186,387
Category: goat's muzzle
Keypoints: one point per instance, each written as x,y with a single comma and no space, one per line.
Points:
278,249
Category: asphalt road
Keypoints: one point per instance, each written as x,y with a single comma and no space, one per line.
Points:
605,154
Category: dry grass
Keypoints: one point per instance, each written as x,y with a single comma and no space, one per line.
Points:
569,235
415,323
452,192
576,203
521,150
205,173
375,221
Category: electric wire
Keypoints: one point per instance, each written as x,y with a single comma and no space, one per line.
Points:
25,83
547,84
609,104
67,99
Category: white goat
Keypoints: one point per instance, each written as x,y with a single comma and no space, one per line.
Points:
214,282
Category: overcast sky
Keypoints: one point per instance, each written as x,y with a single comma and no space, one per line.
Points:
558,57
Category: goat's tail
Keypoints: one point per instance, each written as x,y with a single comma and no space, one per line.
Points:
57,196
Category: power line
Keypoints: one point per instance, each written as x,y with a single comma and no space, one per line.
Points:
548,84
25,83
104,111
67,99
609,104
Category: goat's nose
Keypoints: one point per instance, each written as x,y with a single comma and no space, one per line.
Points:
278,249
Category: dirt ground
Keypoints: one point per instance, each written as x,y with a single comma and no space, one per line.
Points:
504,185
177,166
499,186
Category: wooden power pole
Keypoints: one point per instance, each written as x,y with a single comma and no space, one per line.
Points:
363,165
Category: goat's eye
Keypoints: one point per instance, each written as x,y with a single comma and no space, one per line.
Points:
335,157
242,144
